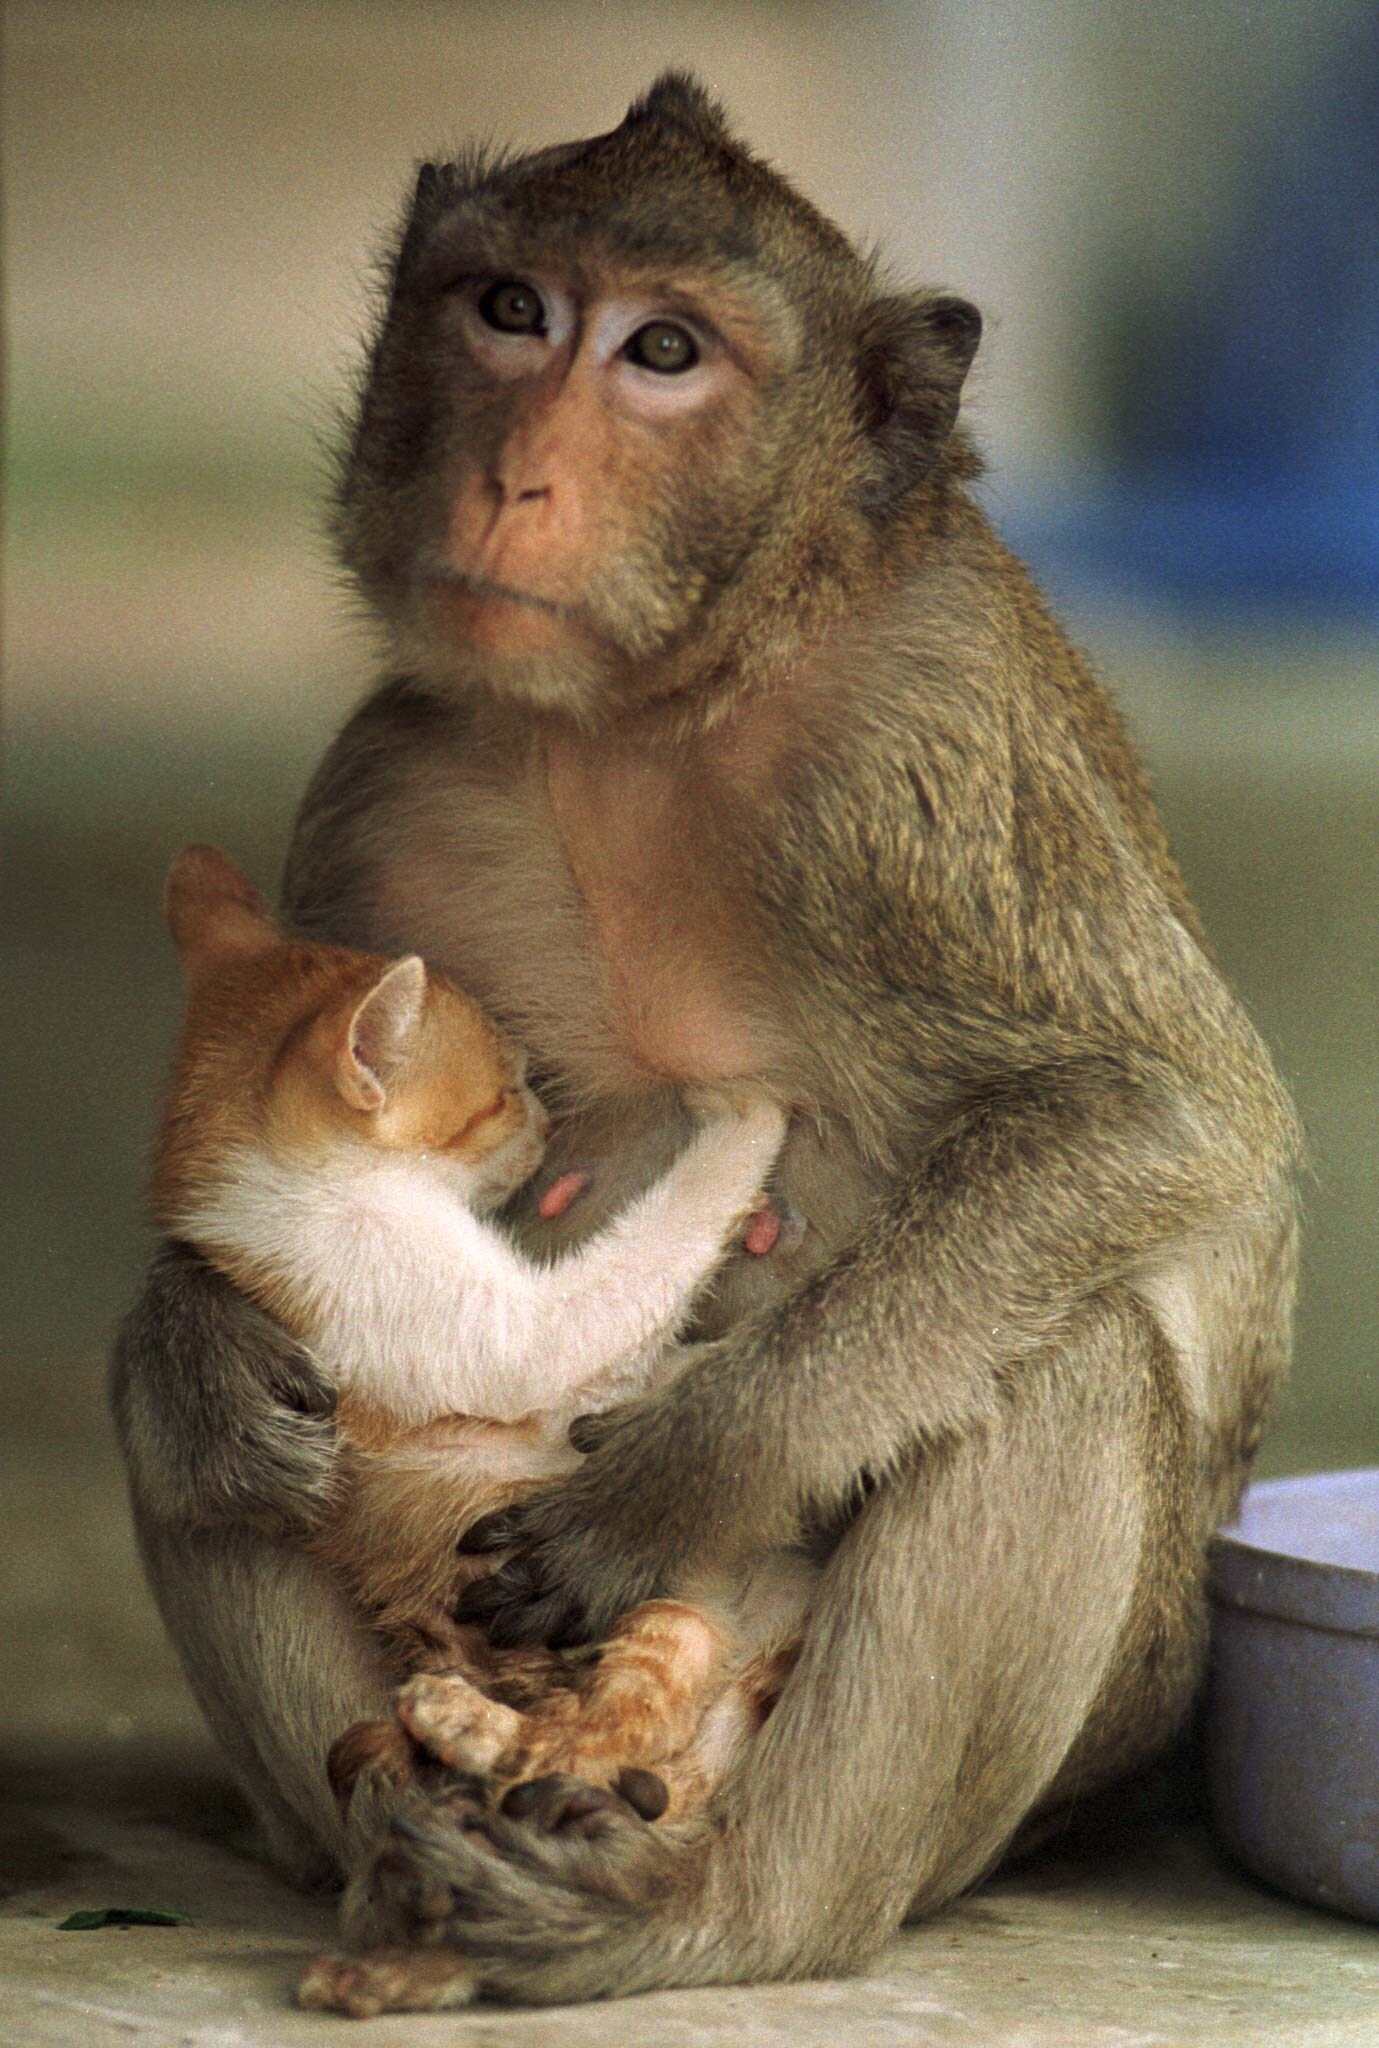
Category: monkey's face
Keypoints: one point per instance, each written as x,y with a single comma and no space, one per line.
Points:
598,450
597,485
624,403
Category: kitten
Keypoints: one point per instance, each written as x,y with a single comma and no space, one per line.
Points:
338,1130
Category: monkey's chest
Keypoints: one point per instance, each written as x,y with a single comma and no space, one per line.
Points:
588,907
653,914
666,995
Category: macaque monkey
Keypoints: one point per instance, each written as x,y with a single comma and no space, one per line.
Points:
721,738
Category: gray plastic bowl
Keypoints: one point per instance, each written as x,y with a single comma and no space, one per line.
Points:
1293,1701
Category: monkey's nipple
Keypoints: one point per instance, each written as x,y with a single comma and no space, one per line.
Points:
560,1194
776,1227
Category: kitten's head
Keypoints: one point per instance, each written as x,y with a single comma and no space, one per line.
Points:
299,1048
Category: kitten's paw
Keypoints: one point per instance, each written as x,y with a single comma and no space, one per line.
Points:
387,1980
455,1723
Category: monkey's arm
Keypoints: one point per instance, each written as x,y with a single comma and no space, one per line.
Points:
221,1414
1042,1193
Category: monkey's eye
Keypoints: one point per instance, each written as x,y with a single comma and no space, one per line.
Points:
513,307
664,346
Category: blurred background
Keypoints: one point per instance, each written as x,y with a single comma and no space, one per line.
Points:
1169,219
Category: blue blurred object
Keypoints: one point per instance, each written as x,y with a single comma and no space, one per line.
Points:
1207,540
1250,414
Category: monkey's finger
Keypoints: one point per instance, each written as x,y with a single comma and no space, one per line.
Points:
560,1804
481,1600
497,1531
556,1619
518,1611
645,1791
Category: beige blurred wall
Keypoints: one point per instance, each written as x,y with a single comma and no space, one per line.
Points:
192,187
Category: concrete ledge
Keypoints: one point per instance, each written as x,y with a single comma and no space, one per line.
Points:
1142,1941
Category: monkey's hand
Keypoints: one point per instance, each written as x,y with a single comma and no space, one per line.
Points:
908,1338
628,1526
222,1415
570,1574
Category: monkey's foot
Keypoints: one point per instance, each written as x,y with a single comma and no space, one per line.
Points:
388,1980
456,1723
538,1915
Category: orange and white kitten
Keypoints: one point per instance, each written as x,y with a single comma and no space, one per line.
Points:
339,1127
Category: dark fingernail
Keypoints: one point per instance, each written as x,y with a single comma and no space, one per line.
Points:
644,1792
519,1802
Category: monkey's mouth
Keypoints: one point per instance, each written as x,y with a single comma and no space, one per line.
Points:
464,583
497,619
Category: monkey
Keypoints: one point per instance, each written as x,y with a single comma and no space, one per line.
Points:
721,736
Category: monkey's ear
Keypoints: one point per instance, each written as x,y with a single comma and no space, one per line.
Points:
913,354
212,907
678,100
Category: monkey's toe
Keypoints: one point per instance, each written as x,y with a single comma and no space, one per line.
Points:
645,1792
562,1805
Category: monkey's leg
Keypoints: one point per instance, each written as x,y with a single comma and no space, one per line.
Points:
227,1429
280,1668
994,1598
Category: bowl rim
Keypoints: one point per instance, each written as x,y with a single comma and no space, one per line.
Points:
1280,1585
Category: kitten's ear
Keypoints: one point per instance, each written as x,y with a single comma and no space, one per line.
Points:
381,1034
212,907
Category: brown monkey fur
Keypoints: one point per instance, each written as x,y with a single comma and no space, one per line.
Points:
728,739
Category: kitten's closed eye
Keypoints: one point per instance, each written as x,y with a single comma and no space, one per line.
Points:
474,1128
